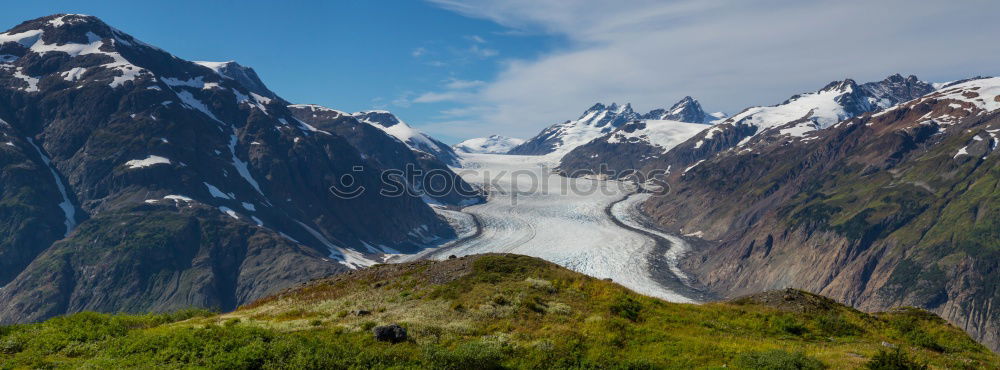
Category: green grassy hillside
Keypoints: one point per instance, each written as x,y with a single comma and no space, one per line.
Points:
496,311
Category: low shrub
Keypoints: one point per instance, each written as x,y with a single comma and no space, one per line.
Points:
778,360
893,360
626,307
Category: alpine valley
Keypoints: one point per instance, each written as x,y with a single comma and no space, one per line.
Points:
857,224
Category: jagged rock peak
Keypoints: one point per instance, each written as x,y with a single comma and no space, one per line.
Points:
686,110
380,117
845,85
240,73
613,109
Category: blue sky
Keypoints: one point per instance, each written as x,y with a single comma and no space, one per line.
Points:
466,68
348,55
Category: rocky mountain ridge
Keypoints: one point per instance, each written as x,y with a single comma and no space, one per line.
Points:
600,120
802,113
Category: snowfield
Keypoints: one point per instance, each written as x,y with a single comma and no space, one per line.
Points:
494,144
535,212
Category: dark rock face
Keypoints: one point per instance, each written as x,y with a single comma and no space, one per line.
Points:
895,209
189,185
390,333
29,204
159,258
243,75
601,156
430,177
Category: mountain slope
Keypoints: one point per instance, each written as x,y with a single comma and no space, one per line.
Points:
496,311
494,144
417,140
837,101
628,147
893,208
114,131
423,174
560,138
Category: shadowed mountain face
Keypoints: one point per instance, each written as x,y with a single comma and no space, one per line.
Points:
428,175
901,207
134,180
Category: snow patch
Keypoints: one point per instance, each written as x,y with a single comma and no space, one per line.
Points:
493,144
215,192
151,160
692,166
350,258
229,212
665,134
66,205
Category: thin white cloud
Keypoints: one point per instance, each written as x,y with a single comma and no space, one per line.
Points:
457,84
418,52
729,54
438,97
458,90
482,52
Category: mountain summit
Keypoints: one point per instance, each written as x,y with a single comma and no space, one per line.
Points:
685,110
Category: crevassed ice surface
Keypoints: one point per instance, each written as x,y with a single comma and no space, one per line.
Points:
535,212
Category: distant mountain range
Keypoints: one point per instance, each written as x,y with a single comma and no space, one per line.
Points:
601,120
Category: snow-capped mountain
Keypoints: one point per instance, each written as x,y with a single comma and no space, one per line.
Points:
417,140
628,147
170,183
494,144
560,138
800,114
601,120
833,103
